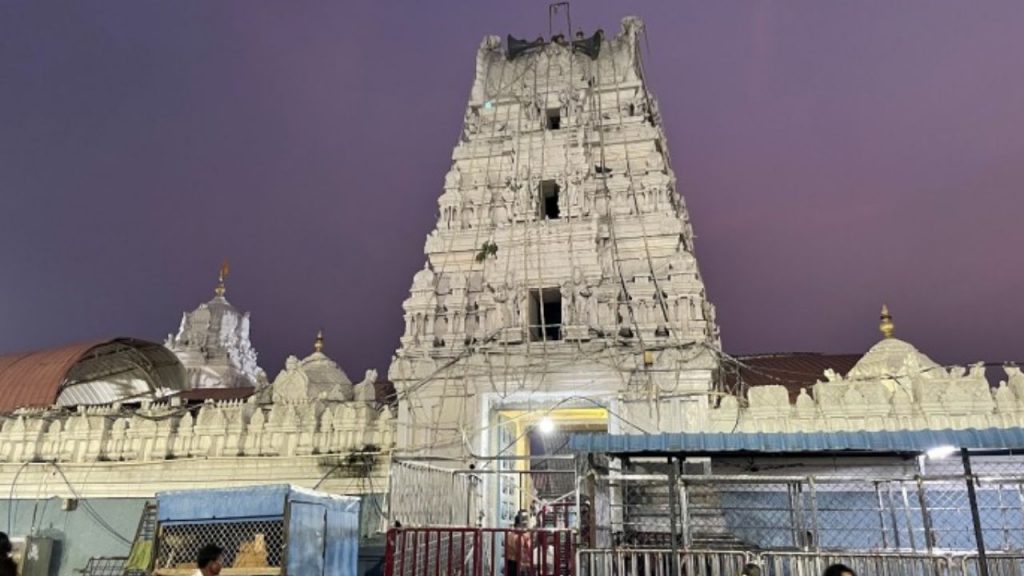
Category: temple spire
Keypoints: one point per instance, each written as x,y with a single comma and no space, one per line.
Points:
318,345
886,326
224,270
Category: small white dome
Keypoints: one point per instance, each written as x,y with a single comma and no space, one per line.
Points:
894,357
324,372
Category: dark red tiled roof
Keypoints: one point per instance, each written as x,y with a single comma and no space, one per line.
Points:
794,370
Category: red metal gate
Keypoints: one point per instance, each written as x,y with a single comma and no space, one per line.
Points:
437,551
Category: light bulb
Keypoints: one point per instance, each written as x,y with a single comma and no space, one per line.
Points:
546,425
940,452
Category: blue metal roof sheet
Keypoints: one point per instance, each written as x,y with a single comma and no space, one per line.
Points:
881,441
265,501
222,503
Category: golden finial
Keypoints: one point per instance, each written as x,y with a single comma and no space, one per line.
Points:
886,326
318,346
224,270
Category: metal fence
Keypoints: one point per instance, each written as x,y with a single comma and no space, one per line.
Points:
421,494
437,551
876,512
246,544
104,566
893,517
663,562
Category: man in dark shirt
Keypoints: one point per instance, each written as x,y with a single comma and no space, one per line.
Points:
8,567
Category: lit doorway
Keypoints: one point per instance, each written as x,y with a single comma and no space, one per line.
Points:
536,474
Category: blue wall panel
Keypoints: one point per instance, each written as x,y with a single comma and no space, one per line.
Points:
342,554
78,534
307,527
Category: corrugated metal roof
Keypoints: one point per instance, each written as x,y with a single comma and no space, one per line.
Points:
908,441
34,379
37,379
259,501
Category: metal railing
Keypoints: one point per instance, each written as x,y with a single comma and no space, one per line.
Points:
658,562
641,518
437,551
104,566
919,513
420,494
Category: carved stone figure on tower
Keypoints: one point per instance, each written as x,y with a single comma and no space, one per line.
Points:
424,279
453,180
504,314
582,299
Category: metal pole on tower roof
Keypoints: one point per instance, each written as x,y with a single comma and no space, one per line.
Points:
552,10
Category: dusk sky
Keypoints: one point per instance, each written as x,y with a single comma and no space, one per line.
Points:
834,155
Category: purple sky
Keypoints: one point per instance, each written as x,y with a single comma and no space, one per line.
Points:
834,155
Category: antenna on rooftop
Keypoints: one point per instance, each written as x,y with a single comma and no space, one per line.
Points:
553,10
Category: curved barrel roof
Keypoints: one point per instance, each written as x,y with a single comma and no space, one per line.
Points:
96,372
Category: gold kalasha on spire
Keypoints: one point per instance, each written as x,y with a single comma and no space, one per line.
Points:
318,345
224,270
886,326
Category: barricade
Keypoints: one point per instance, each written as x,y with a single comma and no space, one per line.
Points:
443,551
657,562
863,563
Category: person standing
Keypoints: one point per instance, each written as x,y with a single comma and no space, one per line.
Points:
209,560
8,567
518,547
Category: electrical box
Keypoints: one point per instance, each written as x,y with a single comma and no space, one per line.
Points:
37,556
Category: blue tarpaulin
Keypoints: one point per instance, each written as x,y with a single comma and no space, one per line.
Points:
222,503
905,441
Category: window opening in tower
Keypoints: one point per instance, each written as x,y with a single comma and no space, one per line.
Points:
548,196
554,118
545,314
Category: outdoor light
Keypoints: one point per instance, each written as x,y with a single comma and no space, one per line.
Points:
546,425
940,452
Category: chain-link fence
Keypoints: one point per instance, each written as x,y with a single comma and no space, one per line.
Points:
663,562
246,544
879,509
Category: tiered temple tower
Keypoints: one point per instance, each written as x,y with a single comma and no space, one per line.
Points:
213,344
560,278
